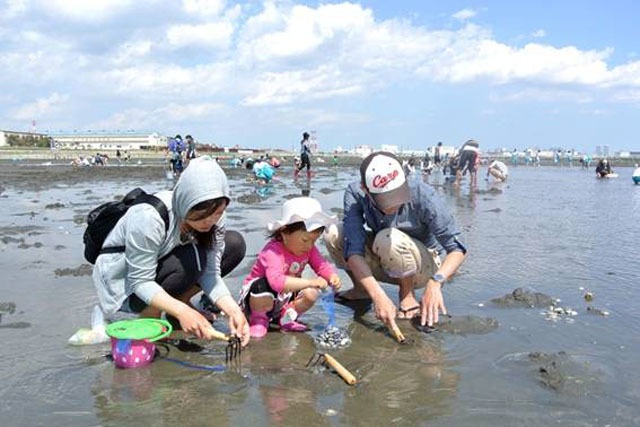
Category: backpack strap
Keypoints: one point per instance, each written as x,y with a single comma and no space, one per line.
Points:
149,199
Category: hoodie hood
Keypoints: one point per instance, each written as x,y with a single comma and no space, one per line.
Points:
203,180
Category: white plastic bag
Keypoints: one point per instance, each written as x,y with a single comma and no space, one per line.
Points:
96,335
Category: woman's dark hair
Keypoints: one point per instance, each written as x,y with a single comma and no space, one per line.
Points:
305,135
201,211
290,228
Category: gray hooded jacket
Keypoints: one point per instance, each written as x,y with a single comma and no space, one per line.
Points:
142,232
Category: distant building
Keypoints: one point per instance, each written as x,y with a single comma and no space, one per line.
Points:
390,148
23,139
362,150
90,140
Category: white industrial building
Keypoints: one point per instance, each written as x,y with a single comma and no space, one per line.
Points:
90,140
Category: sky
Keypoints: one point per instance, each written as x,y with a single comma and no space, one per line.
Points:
259,73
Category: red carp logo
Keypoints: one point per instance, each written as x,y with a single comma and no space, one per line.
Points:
380,181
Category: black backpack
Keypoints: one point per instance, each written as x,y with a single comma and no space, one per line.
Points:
102,219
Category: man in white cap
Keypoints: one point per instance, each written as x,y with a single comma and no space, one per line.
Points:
409,222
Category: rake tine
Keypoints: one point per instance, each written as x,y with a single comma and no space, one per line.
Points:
315,359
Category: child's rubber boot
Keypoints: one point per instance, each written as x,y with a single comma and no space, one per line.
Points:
296,172
308,174
258,324
288,316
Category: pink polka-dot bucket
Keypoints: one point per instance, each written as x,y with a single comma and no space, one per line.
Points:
132,341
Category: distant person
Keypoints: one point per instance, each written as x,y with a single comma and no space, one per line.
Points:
275,289
437,156
603,169
498,170
636,174
469,153
305,153
335,160
263,171
537,158
118,156
391,231
514,156
274,162
191,147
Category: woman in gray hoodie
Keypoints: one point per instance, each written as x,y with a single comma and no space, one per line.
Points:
161,270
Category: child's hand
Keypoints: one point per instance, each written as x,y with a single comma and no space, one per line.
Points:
319,283
334,281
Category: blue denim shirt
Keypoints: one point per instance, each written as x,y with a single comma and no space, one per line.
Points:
426,217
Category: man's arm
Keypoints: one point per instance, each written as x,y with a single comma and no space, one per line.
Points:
385,309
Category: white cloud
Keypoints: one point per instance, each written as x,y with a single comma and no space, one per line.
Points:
163,80
85,10
204,8
464,14
41,108
538,33
215,34
15,8
631,96
285,87
544,95
172,114
131,51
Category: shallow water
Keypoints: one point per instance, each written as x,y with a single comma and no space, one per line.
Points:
552,230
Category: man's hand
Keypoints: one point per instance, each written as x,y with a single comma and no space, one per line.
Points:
385,310
432,301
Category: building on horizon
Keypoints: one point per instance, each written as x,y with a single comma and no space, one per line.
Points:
23,139
104,140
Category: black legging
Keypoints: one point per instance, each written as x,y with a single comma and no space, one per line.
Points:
304,160
178,271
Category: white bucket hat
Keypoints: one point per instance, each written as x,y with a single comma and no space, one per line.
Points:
303,209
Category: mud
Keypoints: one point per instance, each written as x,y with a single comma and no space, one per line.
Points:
81,270
562,373
7,307
458,325
598,311
56,205
15,325
489,191
496,210
24,245
521,297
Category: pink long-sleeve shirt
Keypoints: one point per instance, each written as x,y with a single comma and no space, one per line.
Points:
275,263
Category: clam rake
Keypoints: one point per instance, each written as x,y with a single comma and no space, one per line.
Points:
326,359
234,346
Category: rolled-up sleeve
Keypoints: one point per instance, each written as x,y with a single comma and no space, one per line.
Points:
354,234
437,216
211,281
145,234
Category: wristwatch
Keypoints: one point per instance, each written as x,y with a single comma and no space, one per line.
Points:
439,278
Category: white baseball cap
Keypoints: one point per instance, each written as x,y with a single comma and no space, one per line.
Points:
303,209
382,175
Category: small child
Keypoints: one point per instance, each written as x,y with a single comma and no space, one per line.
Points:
274,289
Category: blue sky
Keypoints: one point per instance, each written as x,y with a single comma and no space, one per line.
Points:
259,73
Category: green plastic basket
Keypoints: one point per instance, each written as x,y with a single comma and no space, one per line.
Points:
140,329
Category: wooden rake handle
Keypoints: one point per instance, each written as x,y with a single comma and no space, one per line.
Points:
215,334
399,335
341,370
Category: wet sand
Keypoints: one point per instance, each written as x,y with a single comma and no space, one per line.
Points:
487,365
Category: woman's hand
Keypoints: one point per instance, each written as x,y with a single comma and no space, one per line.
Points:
238,324
192,322
335,282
